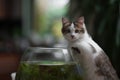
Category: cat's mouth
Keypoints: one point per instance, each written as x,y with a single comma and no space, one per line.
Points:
70,38
73,38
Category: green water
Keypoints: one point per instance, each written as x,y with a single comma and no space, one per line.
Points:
48,70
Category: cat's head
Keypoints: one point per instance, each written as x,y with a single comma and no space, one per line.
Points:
73,31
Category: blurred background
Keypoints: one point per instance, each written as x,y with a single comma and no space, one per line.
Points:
25,23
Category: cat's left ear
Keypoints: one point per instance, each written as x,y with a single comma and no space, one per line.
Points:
64,20
81,20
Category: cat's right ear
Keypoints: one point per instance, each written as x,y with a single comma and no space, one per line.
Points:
64,20
81,20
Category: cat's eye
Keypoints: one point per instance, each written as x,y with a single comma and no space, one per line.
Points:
77,31
67,31
82,30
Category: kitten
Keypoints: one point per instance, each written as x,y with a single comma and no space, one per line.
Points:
92,59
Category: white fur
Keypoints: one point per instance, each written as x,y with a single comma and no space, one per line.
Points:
86,57
77,35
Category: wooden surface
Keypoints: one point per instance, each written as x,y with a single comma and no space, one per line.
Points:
8,64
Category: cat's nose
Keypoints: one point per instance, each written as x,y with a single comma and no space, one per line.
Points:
72,36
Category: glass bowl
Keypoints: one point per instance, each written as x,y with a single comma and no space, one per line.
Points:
47,64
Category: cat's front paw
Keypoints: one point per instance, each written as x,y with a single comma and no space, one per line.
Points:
75,50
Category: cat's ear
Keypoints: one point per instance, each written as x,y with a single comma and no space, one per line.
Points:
81,20
64,20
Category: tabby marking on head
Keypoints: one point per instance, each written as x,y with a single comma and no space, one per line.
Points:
73,30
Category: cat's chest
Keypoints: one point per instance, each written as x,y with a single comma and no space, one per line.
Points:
77,44
82,46
82,53
84,57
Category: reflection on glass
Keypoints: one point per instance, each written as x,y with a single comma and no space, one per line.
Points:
47,64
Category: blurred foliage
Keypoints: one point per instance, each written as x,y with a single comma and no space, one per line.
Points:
47,21
103,23
46,14
54,71
27,72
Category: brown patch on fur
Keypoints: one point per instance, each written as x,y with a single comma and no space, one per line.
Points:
65,26
65,22
99,72
79,27
105,67
81,30
76,50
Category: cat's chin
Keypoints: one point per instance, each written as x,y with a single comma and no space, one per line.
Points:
72,40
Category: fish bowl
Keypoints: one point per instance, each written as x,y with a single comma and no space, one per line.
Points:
48,64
